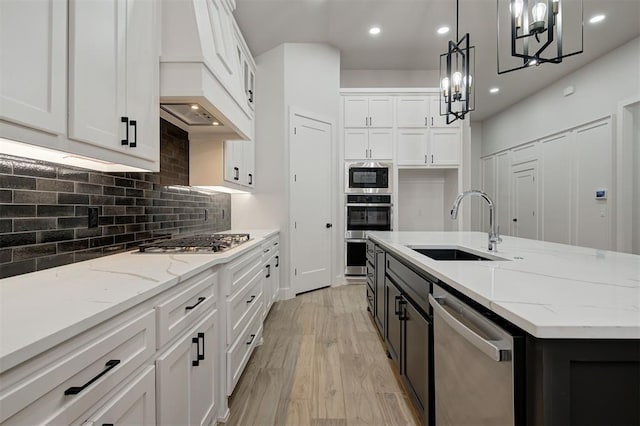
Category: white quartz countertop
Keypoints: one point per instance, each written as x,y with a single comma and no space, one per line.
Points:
549,290
42,309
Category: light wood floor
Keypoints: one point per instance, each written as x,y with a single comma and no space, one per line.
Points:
322,363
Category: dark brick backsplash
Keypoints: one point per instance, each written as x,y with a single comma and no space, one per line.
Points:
44,207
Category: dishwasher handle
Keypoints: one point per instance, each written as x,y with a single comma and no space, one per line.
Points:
498,350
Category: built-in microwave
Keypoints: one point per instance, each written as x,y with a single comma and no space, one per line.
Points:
368,178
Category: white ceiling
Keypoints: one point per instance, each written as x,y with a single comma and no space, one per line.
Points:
409,41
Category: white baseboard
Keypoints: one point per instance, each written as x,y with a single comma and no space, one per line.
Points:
224,418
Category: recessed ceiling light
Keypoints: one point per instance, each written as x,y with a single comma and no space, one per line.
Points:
596,18
494,90
194,106
374,30
215,123
443,30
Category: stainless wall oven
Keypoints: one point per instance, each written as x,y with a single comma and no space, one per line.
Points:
368,178
363,212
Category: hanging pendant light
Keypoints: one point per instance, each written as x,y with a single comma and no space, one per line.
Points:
457,91
529,21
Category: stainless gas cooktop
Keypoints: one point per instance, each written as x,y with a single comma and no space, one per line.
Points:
204,243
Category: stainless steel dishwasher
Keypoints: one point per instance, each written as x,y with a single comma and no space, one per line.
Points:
474,373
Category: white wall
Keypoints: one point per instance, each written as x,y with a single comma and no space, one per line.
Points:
300,75
599,86
389,78
420,200
636,181
475,171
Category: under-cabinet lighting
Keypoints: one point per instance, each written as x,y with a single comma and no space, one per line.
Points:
194,106
34,152
223,189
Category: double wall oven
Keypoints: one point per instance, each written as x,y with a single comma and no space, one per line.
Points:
368,207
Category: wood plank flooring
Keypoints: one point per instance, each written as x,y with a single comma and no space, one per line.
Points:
322,364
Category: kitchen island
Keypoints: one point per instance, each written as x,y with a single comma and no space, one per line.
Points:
573,312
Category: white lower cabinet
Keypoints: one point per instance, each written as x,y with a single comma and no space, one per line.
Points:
135,404
186,376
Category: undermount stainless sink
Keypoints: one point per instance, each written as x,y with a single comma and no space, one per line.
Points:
451,254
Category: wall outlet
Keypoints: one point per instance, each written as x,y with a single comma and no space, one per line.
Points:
92,217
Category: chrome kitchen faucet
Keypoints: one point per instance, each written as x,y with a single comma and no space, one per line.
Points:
494,237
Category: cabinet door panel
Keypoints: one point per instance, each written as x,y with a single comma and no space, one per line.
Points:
381,111
34,71
356,111
355,144
416,354
445,147
134,405
248,176
413,111
203,391
412,146
142,69
173,378
381,144
393,329
233,167
97,71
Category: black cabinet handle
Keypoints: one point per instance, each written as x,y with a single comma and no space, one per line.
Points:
251,299
74,390
250,95
397,309
236,173
200,300
329,225
253,336
108,424
277,261
268,271
514,219
250,179
134,143
403,312
125,120
199,355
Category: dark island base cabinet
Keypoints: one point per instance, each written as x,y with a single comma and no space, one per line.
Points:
408,335
583,382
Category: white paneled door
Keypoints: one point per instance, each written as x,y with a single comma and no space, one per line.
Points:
311,201
525,202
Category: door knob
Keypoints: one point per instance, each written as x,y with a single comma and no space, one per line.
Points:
329,225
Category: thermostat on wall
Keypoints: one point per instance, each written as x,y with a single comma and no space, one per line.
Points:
601,194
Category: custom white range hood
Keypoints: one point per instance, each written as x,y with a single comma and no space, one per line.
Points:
202,75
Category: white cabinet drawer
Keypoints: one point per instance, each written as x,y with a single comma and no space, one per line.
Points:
242,270
177,313
133,405
269,246
242,306
69,385
239,353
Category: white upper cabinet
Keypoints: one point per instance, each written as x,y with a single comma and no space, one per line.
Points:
412,147
239,162
429,147
113,75
413,111
444,147
33,69
368,111
362,144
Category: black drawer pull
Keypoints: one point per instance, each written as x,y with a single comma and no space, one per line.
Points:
251,299
200,300
268,271
108,424
236,173
74,390
250,179
277,261
403,312
253,336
